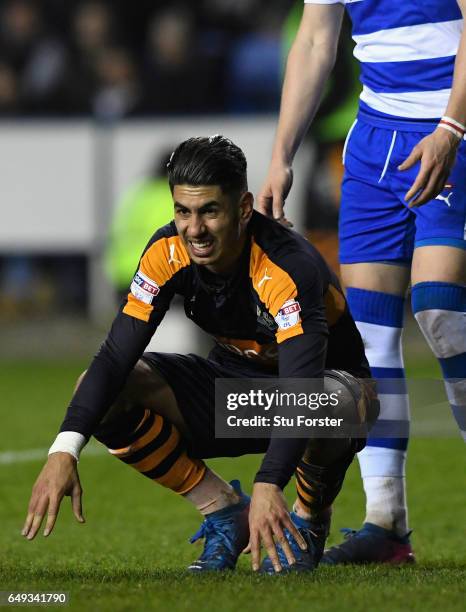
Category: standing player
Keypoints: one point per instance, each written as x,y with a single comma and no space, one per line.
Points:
274,308
402,213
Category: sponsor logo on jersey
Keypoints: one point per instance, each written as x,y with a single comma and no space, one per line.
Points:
288,315
144,288
267,353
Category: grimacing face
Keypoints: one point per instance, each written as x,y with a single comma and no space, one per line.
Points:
211,226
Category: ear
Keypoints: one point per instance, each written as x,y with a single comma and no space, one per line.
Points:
246,206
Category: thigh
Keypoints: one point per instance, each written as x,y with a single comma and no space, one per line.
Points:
374,225
439,263
192,381
385,278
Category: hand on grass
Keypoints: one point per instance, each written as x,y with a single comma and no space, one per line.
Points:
268,517
59,477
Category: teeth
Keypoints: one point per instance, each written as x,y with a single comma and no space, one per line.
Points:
201,245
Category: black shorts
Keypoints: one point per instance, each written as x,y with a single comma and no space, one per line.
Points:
192,380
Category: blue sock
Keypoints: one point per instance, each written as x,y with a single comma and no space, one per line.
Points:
379,318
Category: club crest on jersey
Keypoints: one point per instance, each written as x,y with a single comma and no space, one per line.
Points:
144,288
264,318
288,315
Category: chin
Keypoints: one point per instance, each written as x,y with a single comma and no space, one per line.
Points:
203,261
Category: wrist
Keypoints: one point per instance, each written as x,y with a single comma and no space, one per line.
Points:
70,442
456,129
452,140
258,485
281,158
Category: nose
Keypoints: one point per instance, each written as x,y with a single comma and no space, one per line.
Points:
196,227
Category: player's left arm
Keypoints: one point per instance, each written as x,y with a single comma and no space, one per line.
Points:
437,151
302,356
302,352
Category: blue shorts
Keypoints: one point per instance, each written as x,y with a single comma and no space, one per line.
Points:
375,221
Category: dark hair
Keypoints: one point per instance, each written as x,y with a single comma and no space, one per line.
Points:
214,160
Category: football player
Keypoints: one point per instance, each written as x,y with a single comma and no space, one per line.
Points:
274,309
402,214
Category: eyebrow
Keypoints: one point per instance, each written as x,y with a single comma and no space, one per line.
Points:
202,208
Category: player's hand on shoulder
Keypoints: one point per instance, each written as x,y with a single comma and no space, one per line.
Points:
437,153
271,198
268,517
59,477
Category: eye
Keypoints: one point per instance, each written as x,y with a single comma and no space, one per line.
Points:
211,212
182,212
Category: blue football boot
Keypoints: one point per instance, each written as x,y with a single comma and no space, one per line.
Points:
371,544
307,560
225,533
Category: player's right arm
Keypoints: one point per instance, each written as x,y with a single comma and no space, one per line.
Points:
309,64
149,298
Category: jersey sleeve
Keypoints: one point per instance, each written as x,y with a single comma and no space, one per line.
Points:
297,303
151,291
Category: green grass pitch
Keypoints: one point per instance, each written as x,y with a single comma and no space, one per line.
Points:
131,553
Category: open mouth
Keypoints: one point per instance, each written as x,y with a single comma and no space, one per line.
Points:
201,248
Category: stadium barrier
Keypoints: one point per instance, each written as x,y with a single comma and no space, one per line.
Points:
61,179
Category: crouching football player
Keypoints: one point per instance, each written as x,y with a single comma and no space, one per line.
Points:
239,273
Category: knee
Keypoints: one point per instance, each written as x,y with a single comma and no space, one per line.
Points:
439,311
131,397
141,391
444,331
357,398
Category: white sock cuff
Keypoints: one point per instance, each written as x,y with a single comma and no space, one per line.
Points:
383,462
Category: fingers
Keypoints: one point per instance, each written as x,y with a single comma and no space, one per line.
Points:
271,199
58,477
412,158
269,544
255,546
76,503
27,524
51,516
37,510
437,157
264,202
283,542
419,182
277,206
431,190
295,533
284,221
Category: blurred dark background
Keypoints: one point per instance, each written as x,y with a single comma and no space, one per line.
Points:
114,59
93,92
